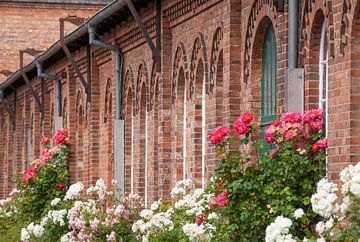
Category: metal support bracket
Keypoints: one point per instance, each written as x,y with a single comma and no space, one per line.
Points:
8,108
155,49
77,21
31,52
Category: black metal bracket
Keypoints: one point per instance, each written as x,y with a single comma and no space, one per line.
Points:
76,21
32,52
155,49
9,110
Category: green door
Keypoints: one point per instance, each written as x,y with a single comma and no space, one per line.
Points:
268,81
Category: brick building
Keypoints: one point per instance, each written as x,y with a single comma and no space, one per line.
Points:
144,82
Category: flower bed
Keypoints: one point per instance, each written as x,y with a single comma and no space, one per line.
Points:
279,195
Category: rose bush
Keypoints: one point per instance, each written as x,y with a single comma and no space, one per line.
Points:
43,180
99,217
339,215
261,187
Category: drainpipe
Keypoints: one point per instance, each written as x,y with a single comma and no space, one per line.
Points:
295,79
118,134
42,74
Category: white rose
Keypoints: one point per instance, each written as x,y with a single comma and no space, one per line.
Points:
298,213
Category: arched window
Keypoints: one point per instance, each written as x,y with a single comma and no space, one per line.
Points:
323,74
268,79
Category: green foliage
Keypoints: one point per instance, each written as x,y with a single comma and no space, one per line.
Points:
39,192
263,187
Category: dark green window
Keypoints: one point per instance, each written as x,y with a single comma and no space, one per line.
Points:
268,80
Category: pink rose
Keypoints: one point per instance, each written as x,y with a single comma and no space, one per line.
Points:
247,117
218,135
61,137
291,117
314,118
212,202
269,138
240,127
222,200
290,134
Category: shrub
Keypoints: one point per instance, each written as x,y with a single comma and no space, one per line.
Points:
260,188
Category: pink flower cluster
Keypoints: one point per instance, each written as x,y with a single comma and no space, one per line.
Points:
314,118
61,136
220,200
241,126
290,126
29,173
323,143
44,140
218,135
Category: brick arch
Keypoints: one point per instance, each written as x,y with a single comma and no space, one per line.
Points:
216,58
52,118
309,16
180,63
154,78
128,89
64,112
140,172
108,101
261,13
311,61
199,53
128,100
254,78
142,80
80,136
348,11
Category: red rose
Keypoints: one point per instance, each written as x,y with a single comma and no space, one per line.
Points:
200,218
275,123
240,127
219,184
247,117
44,140
315,147
218,135
28,174
60,185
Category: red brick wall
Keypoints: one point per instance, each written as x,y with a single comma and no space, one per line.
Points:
33,25
218,42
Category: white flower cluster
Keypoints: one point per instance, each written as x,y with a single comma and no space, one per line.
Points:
55,201
193,230
74,191
100,188
57,216
350,177
32,229
152,222
278,231
324,200
181,187
192,203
